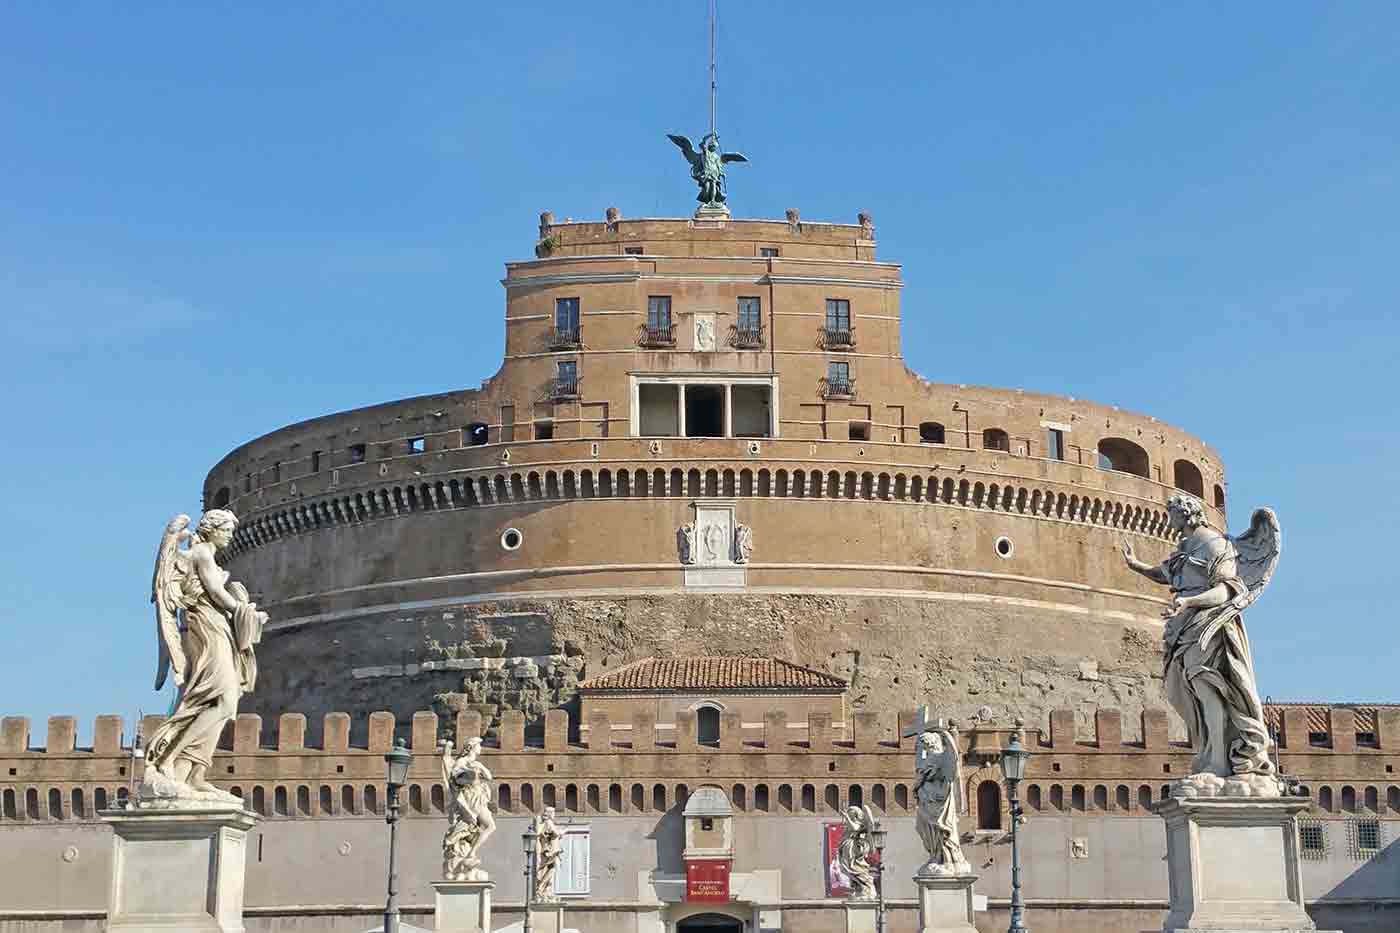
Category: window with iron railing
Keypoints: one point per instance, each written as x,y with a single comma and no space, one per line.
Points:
566,323
837,332
748,332
566,379
658,330
838,382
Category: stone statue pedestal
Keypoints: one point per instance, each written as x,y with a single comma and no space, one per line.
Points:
1233,864
177,869
945,903
546,916
712,212
861,916
463,906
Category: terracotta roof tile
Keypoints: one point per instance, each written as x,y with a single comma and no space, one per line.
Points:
713,673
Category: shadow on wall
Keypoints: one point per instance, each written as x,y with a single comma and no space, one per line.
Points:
1365,902
668,838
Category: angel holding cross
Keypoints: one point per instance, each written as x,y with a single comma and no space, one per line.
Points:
938,793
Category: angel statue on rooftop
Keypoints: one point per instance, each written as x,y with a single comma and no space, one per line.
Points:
1209,674
206,627
707,166
469,819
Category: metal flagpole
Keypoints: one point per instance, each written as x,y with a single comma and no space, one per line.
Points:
713,84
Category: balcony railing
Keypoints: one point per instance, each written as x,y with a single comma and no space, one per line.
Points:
562,338
837,338
657,336
838,388
746,338
564,388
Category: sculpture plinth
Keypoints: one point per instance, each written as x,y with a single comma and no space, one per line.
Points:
862,916
945,903
1233,864
463,906
546,917
177,869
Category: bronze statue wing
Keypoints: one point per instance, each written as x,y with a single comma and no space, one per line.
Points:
686,147
1258,550
733,157
165,593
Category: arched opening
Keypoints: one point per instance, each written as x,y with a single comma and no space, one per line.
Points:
996,439
1219,496
989,805
931,432
476,434
707,725
221,498
710,923
1123,456
1186,477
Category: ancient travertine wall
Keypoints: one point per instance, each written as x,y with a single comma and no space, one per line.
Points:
484,549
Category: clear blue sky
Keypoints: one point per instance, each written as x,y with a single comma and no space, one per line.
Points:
217,221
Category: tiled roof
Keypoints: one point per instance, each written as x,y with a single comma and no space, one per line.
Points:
713,674
1319,718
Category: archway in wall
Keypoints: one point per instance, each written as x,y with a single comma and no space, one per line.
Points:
710,923
1185,476
1122,455
988,805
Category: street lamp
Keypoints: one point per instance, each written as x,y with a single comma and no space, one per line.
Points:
877,839
531,840
397,761
1013,766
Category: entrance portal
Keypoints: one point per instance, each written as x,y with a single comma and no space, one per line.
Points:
710,923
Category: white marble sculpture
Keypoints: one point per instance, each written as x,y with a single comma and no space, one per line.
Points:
1209,672
938,794
550,850
206,627
853,855
704,333
743,544
469,820
686,541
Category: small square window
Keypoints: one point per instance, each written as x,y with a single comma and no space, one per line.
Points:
1367,739
1364,838
416,445
544,430
357,453
1318,738
768,252
859,430
1055,766
632,251
1312,836
707,823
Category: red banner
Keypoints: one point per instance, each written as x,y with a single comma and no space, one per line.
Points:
707,880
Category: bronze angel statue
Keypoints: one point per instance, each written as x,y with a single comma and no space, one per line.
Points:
707,166
206,627
1209,673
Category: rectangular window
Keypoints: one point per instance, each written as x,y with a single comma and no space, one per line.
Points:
659,313
568,370
566,315
632,251
1312,834
859,431
544,430
750,314
768,252
838,314
416,445
1055,443
277,472
838,373
572,877
315,461
357,453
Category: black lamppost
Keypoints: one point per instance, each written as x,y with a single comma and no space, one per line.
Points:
1013,765
877,839
531,841
397,760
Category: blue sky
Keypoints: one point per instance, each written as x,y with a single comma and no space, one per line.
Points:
219,219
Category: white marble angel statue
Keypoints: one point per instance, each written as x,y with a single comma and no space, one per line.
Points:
206,628
853,854
469,819
938,794
550,850
1209,672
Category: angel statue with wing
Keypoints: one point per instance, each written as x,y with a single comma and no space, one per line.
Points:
853,854
469,819
938,795
206,628
707,166
1209,673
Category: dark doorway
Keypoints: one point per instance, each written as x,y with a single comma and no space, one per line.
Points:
707,725
989,805
704,411
710,923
